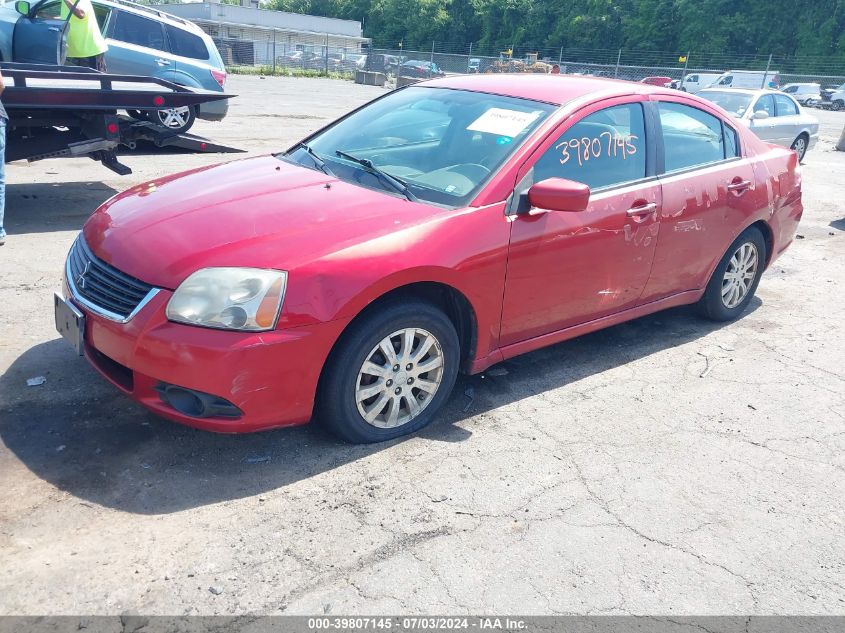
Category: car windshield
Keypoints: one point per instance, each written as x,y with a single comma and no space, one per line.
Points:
734,102
442,144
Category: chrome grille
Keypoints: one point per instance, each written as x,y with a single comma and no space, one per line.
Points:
102,287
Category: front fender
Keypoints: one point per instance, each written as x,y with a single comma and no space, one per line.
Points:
466,251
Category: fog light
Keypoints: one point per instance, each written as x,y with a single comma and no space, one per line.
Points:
196,404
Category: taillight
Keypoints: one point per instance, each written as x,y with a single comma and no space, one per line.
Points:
219,77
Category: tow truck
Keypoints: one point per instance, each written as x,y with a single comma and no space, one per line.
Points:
70,111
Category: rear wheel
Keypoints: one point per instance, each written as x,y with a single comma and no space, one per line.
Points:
391,373
178,120
837,105
799,145
736,277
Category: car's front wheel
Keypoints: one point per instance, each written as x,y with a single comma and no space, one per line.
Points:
736,277
391,373
837,105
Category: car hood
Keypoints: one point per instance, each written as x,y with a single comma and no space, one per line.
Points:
261,212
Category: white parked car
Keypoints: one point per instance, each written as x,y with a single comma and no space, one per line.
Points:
694,82
772,115
808,94
751,79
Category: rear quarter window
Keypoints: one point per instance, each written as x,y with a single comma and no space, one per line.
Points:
186,44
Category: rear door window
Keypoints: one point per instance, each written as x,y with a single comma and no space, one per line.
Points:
102,15
186,44
691,137
133,29
731,142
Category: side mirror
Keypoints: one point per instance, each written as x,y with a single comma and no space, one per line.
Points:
559,194
22,7
760,114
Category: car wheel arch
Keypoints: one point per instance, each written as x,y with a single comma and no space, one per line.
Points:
182,78
454,303
768,239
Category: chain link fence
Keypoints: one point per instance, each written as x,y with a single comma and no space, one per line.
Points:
247,48
620,64
292,53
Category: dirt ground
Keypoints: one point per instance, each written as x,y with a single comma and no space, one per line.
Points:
668,465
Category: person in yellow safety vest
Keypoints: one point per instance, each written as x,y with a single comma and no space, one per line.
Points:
86,45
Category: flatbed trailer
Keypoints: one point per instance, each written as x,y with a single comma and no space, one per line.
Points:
57,111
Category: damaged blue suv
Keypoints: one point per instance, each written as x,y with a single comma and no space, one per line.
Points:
142,41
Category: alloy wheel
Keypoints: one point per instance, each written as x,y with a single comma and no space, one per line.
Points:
800,147
399,378
174,118
739,275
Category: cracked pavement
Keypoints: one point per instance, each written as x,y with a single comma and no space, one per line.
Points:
665,466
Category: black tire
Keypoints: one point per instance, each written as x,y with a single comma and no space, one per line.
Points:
837,105
711,304
159,117
800,148
336,403
138,115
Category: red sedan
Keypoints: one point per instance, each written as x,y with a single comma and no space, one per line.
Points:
443,227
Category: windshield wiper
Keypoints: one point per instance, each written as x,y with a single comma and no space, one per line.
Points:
393,181
319,163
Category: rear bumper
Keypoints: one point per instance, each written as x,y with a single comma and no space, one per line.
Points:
271,377
214,110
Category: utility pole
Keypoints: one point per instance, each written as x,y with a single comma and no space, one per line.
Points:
430,68
560,57
618,59
766,75
274,51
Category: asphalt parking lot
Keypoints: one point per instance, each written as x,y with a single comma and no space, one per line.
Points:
669,465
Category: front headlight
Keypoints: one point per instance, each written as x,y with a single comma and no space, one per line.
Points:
230,299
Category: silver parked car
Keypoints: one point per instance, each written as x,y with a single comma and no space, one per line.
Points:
772,115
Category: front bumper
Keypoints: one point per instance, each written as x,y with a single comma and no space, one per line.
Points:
270,376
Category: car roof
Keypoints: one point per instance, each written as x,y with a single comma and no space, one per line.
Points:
548,88
153,12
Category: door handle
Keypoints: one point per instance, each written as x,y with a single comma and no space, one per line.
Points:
739,186
162,62
645,209
53,28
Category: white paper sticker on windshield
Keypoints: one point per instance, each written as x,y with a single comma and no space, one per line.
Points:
503,122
